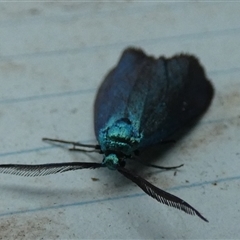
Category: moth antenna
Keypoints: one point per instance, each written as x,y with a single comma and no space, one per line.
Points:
27,170
160,195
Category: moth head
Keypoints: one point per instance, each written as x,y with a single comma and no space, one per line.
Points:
112,161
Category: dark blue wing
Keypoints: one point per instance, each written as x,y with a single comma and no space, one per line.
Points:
113,95
158,96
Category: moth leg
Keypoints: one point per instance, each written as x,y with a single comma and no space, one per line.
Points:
154,166
161,167
73,149
75,144
168,141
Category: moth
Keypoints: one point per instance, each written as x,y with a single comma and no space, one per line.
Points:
142,102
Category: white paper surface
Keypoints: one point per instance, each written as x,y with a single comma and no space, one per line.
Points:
53,57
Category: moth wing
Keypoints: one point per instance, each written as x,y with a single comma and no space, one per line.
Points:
113,94
158,96
176,92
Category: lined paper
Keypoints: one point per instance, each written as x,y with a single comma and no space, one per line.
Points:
53,57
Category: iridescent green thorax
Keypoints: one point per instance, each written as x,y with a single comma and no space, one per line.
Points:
121,136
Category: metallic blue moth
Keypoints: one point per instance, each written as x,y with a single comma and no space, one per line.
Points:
141,102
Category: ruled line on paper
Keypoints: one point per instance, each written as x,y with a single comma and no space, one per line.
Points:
91,90
187,36
95,201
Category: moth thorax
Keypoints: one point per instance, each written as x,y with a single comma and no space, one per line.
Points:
121,136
